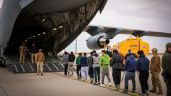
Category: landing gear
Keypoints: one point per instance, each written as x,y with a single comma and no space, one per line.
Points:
2,59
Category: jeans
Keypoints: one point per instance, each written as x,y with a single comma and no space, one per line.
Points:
70,68
143,77
84,72
130,76
96,71
105,72
78,71
66,69
90,72
116,74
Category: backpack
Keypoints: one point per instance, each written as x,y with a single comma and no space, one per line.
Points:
117,65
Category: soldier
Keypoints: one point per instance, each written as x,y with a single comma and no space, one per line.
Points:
22,51
166,65
155,71
40,58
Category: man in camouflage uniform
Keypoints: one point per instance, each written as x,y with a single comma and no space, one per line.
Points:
22,51
155,71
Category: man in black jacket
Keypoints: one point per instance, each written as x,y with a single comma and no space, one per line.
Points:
71,63
90,64
33,51
166,65
143,69
116,63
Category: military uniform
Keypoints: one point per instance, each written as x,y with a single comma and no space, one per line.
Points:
166,65
22,51
155,71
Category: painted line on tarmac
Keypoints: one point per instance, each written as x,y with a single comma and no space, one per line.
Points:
88,81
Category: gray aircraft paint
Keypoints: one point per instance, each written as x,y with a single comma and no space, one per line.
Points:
10,9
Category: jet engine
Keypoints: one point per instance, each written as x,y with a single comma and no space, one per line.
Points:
97,42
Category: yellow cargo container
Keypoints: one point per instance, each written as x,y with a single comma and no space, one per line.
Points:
134,44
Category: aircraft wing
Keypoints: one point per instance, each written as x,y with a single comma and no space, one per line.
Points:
94,30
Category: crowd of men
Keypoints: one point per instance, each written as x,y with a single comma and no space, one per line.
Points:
97,68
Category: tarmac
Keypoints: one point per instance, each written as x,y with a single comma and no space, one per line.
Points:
55,84
48,85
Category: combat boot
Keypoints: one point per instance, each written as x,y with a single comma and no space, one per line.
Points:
153,90
160,92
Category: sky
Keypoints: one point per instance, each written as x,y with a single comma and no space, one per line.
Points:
150,15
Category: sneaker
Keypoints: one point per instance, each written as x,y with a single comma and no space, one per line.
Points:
84,79
125,91
133,91
98,83
95,83
109,84
117,86
91,81
69,75
78,78
102,85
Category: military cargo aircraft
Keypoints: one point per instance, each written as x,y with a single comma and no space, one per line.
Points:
52,25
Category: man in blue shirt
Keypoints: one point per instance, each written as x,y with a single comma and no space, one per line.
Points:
84,67
143,69
130,68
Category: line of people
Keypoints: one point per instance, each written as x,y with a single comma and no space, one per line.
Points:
94,64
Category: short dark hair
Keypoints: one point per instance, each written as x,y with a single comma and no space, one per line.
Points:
103,51
79,53
91,53
65,52
85,54
115,51
94,51
140,52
